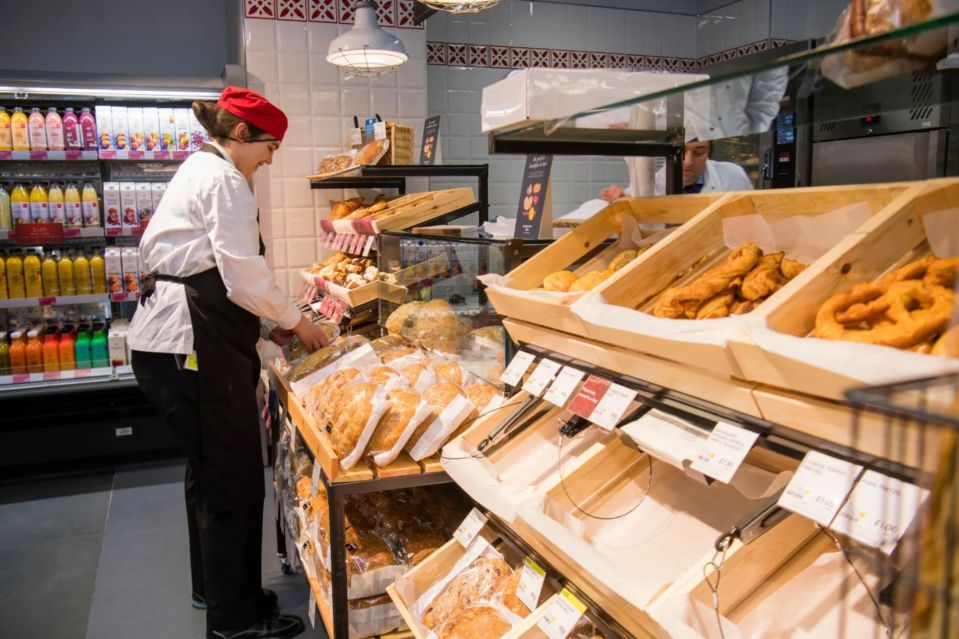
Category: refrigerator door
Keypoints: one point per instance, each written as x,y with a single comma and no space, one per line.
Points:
885,158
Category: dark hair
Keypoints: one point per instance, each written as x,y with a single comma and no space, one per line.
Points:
220,123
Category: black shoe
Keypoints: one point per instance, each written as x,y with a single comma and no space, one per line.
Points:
271,605
282,627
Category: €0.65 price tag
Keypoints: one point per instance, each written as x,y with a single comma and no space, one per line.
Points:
561,616
470,528
819,486
724,451
517,368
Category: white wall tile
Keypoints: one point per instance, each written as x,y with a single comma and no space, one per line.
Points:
458,29
291,37
300,251
294,99
276,254
294,68
327,132
277,220
299,133
412,102
293,277
262,65
300,222
298,160
385,103
411,76
297,193
322,72
436,27
356,101
319,36
261,36
325,101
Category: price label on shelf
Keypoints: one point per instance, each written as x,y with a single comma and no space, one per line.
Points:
470,528
312,613
561,616
530,583
314,480
541,376
588,396
880,510
563,386
818,487
610,409
517,368
724,451
369,245
379,130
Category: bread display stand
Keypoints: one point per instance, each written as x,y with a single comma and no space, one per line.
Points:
405,212
516,295
777,220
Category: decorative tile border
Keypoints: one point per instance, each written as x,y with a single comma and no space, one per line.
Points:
390,13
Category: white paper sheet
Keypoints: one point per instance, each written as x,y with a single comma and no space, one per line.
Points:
442,427
379,403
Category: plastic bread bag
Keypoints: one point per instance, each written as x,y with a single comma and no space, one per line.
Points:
313,362
411,371
388,343
398,319
407,359
407,410
433,326
486,399
296,348
321,400
449,410
371,566
373,617
867,18
488,342
448,371
355,352
358,411
485,619
382,374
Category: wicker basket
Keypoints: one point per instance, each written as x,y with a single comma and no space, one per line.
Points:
401,145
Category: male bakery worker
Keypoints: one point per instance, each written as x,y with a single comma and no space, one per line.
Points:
194,339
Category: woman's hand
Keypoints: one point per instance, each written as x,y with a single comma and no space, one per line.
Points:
310,334
281,336
611,193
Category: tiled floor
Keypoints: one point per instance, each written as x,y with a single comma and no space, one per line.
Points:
105,556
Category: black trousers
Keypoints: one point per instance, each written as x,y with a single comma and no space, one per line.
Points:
226,535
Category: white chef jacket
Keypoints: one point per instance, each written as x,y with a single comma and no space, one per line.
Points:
207,218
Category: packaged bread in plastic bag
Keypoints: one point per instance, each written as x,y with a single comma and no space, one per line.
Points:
358,410
449,409
321,400
406,411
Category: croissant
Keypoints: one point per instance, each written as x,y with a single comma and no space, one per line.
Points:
763,280
685,301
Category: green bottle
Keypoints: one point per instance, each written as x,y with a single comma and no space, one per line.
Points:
82,347
99,349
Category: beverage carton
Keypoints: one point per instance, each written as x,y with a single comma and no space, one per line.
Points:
198,134
181,118
135,124
104,117
113,262
113,212
144,202
157,189
128,205
167,129
151,128
121,128
117,343
130,261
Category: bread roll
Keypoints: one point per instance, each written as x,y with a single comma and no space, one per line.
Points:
399,317
559,281
622,259
590,281
481,622
435,327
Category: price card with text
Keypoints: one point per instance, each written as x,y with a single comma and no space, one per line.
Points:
880,510
315,480
588,396
610,409
312,608
541,376
292,436
724,451
517,368
470,527
820,484
561,616
369,245
530,583
563,386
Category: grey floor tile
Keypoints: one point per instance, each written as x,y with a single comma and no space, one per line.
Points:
147,508
53,517
36,488
47,587
150,474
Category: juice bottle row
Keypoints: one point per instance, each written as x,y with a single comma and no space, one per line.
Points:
50,132
121,128
26,275
70,204
59,347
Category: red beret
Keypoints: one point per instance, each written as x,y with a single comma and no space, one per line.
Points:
253,108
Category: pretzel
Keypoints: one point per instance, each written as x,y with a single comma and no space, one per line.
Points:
685,301
915,313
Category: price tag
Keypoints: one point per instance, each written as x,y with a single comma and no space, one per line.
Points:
880,510
470,527
609,410
588,396
312,613
541,376
561,616
517,368
356,137
314,480
563,386
530,583
819,486
724,451
379,131
369,245
292,436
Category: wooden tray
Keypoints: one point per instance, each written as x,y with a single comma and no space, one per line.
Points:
405,212
657,269
573,246
599,481
891,239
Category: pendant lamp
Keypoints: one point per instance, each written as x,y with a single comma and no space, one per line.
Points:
460,6
366,50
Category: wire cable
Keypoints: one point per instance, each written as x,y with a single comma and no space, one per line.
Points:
473,419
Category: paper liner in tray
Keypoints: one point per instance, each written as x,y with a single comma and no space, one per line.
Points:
379,404
444,425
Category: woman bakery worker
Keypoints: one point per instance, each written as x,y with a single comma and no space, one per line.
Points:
194,342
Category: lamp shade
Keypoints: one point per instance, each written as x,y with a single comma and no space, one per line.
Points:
460,6
366,49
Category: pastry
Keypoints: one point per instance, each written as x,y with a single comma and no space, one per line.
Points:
381,374
321,399
353,409
367,155
339,210
478,582
622,259
304,488
507,595
717,306
685,301
590,281
764,280
559,281
398,318
791,268
449,371
403,405
481,622
396,353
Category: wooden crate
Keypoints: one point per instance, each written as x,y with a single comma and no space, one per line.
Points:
515,298
679,255
613,580
894,237
401,145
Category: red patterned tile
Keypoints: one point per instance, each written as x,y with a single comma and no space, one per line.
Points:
579,59
479,55
728,54
634,62
617,61
519,57
323,11
436,53
559,59
386,13
260,9
457,55
652,63
598,60
499,57
405,12
346,11
688,64
291,10
671,65
539,58
781,43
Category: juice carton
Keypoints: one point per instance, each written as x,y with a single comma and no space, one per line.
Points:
112,257
113,213
151,129
144,202
167,129
157,189
121,128
135,127
181,118
198,134
117,344
130,261
128,206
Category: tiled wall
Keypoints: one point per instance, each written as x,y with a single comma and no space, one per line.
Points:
286,60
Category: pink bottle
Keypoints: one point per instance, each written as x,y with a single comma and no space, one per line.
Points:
54,125
37,129
72,137
88,129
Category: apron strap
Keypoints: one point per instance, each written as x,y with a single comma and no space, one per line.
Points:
148,284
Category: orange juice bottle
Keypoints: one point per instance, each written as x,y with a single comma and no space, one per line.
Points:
6,210
34,352
4,354
31,274
67,276
91,206
51,350
20,205
39,204
48,275
4,295
68,360
18,130
98,272
56,204
18,353
15,286
81,274
37,127
6,137
74,207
